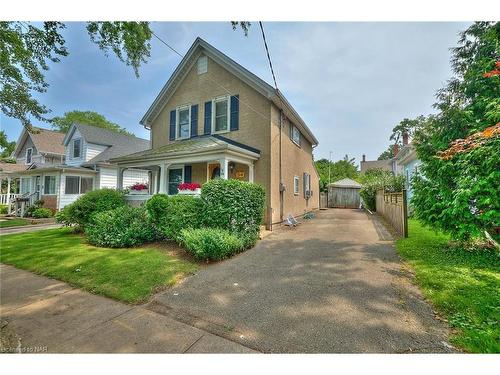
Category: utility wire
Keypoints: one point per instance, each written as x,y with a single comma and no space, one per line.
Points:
215,82
268,56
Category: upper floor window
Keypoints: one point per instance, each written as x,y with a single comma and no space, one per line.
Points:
221,115
202,64
29,154
296,183
295,133
77,148
183,122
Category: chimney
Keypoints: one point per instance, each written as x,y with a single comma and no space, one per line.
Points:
395,149
405,138
364,157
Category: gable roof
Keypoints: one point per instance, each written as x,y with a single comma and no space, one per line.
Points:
346,183
202,47
119,144
46,141
201,144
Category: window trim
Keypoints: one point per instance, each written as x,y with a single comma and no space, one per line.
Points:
178,118
21,190
226,98
294,128
26,156
45,185
73,148
296,184
205,63
172,167
79,184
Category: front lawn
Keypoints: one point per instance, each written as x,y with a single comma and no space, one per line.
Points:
13,223
130,275
463,286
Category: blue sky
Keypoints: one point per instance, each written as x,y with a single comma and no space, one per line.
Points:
350,82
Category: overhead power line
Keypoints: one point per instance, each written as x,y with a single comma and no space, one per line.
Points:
268,56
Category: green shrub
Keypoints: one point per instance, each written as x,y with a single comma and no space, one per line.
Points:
80,212
124,226
41,212
375,180
234,205
174,213
3,209
211,243
37,204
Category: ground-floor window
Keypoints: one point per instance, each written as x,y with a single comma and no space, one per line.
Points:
175,177
49,186
296,183
25,185
78,185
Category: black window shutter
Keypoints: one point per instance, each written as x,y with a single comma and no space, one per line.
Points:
194,120
172,125
235,112
207,127
187,173
304,179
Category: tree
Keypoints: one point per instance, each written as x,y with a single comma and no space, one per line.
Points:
408,126
344,168
64,122
387,154
7,148
458,189
26,51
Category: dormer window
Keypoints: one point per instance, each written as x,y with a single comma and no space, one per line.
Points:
29,154
183,122
77,148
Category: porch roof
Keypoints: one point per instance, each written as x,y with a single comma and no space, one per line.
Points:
189,147
56,168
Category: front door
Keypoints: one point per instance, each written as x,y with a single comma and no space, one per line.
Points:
175,177
213,171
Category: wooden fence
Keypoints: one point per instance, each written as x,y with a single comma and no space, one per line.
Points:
394,208
323,200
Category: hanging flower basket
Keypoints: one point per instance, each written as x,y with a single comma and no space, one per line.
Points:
139,188
189,189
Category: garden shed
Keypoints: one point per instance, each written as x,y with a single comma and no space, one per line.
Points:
344,194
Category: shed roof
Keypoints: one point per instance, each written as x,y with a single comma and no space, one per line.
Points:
346,183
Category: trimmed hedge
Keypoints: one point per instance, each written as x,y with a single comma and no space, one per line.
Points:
237,206
124,226
171,214
211,243
41,212
80,212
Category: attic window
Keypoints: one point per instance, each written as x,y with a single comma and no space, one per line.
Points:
202,64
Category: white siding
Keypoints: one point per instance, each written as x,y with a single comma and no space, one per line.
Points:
107,178
91,150
132,176
65,199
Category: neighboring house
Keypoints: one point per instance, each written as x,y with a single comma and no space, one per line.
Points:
389,165
213,118
409,164
39,147
87,151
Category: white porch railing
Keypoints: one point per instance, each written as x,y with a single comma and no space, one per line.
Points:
4,198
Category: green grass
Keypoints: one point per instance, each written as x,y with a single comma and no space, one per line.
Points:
464,286
129,275
13,223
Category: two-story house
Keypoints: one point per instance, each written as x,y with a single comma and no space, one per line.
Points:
86,151
215,119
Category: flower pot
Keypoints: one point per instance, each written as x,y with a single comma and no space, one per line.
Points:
190,192
138,192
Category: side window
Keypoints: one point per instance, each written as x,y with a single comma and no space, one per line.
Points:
295,134
296,183
72,185
49,185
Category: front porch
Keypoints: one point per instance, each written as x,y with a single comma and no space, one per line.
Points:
199,161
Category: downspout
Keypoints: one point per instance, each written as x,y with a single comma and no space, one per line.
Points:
281,187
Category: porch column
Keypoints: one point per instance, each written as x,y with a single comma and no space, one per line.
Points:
224,168
119,183
250,172
8,195
163,178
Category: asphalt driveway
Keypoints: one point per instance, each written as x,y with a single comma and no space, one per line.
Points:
334,284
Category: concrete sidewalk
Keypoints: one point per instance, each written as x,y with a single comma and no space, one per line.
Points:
45,315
